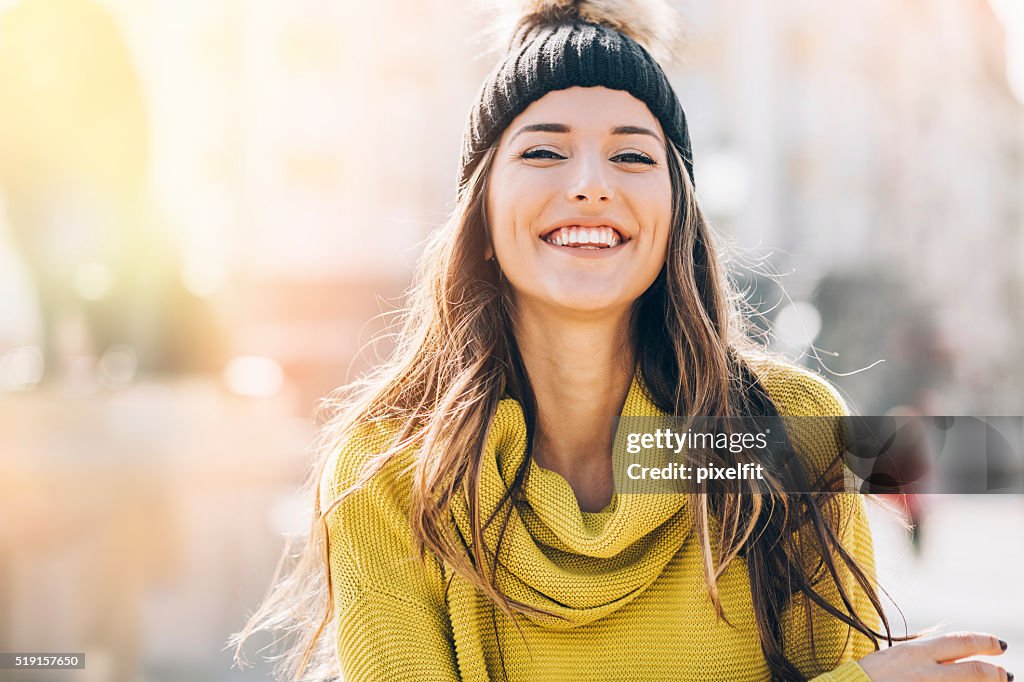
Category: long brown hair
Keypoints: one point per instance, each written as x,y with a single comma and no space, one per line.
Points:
456,356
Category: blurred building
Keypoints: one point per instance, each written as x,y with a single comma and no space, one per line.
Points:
873,140
76,206
307,150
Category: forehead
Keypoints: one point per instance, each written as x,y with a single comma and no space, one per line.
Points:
587,109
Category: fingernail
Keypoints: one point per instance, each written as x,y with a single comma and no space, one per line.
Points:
1009,676
1002,645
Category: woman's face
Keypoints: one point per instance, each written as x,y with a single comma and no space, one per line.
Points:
579,201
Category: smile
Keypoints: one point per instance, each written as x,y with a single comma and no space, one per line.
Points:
576,237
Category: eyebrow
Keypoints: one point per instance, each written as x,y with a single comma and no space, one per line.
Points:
562,128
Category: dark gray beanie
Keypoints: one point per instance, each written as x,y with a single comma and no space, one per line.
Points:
558,47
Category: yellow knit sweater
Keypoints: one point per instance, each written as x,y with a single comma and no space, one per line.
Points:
627,579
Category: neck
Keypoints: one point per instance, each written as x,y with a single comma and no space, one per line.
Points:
580,371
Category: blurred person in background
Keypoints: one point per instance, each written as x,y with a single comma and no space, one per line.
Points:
912,505
904,331
466,525
74,176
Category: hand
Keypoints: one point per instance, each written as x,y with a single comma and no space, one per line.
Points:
935,659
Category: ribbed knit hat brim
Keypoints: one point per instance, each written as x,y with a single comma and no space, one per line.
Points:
550,56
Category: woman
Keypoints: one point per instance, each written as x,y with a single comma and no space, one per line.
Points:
466,523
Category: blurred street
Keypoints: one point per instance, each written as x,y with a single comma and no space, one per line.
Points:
140,524
968,576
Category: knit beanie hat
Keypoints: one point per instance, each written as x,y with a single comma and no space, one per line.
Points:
558,44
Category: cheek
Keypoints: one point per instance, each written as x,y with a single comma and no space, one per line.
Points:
654,210
662,205
652,202
497,208
513,205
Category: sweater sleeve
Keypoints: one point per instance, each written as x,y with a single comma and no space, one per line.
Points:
847,672
389,607
836,643
830,645
386,636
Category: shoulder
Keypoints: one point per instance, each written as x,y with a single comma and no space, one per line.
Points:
364,494
351,453
365,499
812,411
797,391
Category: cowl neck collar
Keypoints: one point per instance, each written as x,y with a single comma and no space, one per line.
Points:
580,566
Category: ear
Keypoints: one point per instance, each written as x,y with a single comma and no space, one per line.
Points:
489,253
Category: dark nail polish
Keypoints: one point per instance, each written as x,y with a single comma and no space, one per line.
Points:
1002,645
1009,676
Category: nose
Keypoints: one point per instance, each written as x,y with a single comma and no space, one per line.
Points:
590,184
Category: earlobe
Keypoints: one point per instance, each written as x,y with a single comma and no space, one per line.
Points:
489,253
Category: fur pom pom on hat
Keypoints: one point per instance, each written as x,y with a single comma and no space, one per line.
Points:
653,24
559,44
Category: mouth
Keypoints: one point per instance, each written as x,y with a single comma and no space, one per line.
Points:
580,237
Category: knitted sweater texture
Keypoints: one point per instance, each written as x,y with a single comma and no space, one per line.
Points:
626,583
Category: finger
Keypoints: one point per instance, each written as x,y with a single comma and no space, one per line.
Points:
971,671
962,644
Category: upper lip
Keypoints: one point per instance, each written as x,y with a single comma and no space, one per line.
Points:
587,222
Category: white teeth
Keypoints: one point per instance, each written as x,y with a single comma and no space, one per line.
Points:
584,237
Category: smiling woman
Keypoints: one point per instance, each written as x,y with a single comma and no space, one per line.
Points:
579,203
466,523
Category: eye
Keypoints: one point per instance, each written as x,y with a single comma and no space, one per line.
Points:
635,157
540,154
625,157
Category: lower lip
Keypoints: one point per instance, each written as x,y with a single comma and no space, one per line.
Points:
588,253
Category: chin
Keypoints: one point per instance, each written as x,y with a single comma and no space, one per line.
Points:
579,301
591,294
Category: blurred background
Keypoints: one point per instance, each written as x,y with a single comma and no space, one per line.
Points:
206,206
